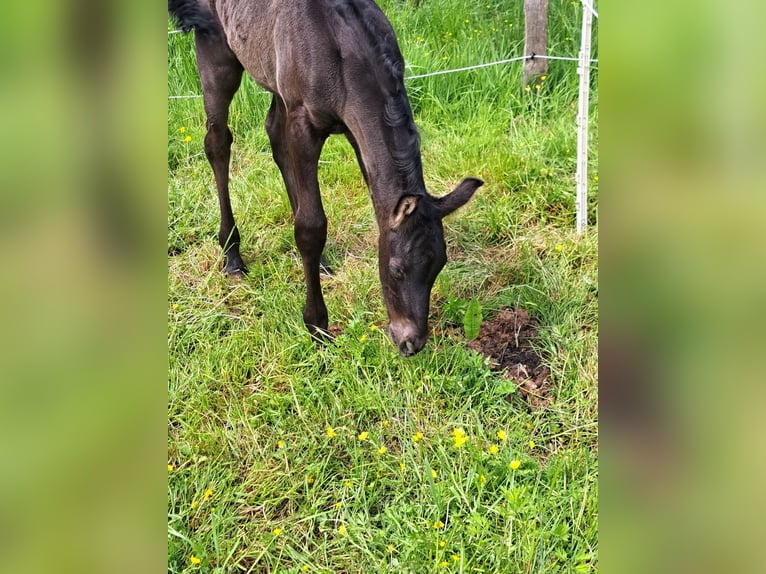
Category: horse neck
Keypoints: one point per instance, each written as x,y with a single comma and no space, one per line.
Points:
389,147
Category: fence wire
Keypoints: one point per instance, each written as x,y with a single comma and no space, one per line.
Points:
441,72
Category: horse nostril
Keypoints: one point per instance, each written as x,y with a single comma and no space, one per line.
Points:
406,348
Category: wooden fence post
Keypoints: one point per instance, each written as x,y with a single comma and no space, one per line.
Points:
535,38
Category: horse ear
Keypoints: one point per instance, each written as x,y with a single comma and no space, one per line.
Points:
405,207
458,196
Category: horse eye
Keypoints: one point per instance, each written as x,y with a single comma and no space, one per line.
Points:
396,271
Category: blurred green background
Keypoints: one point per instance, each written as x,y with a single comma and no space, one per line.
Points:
682,212
82,294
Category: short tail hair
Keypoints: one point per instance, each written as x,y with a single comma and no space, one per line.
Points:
191,15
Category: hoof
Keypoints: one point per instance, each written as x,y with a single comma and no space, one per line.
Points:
234,267
320,336
237,273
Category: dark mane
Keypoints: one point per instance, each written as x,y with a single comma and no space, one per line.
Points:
379,33
397,113
405,144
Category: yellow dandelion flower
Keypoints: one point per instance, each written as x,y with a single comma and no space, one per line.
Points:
595,178
515,464
175,306
338,504
493,449
559,247
442,543
277,531
433,473
459,435
208,493
528,425
363,435
444,564
527,89
438,524
310,479
194,504
170,468
417,436
444,58
187,139
402,467
531,444
390,548
501,434
373,327
194,560
382,449
305,568
280,444
455,558
348,484
342,530
537,86
482,479
182,129
363,338
330,432
543,78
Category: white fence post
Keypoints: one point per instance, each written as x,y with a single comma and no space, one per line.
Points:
583,69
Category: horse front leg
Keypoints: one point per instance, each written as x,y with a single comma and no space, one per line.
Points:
310,236
303,145
276,128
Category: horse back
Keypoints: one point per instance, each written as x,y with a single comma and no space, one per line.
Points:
315,53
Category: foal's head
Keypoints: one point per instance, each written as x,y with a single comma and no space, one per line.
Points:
411,254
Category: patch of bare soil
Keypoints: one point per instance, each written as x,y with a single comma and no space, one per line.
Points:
507,341
335,329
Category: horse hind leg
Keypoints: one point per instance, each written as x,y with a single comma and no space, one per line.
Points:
221,74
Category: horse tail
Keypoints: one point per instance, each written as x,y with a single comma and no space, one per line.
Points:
190,14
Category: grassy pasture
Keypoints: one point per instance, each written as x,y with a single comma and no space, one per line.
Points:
287,458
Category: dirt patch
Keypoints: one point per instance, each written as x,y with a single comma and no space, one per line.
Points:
507,341
335,329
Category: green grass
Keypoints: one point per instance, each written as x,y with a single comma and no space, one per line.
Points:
244,375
